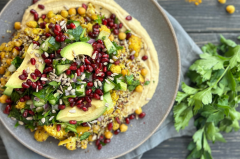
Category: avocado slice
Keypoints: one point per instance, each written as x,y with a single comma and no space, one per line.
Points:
79,48
8,91
123,86
108,86
44,46
102,34
95,111
14,81
39,103
61,68
109,46
108,99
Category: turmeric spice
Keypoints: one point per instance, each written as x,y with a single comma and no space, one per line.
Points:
196,2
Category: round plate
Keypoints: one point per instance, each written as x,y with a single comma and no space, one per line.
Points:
160,30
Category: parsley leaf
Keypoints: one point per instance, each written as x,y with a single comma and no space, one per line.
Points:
17,61
54,45
128,31
117,46
146,83
99,19
85,135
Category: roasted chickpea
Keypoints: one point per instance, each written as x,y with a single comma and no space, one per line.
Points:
144,72
123,128
2,70
124,72
72,11
64,13
50,14
122,36
96,128
81,10
138,111
111,37
17,25
230,9
108,134
222,1
139,88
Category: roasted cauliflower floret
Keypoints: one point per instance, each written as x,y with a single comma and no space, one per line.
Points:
115,69
91,12
41,135
57,18
105,28
88,27
135,44
82,129
34,32
70,143
32,24
115,125
52,131
20,105
84,144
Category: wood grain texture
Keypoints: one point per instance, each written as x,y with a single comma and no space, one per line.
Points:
204,23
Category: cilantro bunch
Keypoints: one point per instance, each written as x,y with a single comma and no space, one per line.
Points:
212,98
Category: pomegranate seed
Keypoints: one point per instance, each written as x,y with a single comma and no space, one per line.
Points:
110,126
34,85
88,92
87,62
48,35
107,141
48,61
142,115
51,25
22,77
43,25
96,96
128,35
72,26
127,120
58,127
52,56
104,22
118,120
18,48
73,67
101,138
31,112
109,73
35,1
82,68
43,16
43,82
58,51
95,67
104,68
33,76
131,117
99,92
43,56
73,122
57,27
97,142
89,68
120,25
145,57
105,55
36,17
90,84
115,31
110,24
25,85
25,73
78,72
71,100
22,99
40,87
48,69
58,38
36,42
113,16
32,11
104,60
99,41
63,38
7,109
117,62
61,107
40,6
33,61
80,105
25,113
9,101
84,124
37,73
88,99
100,65
116,132
85,109
131,57
84,6
100,78
68,72
72,104
26,97
129,17
39,83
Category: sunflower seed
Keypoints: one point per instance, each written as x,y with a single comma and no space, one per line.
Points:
64,59
133,52
115,57
20,122
54,70
107,81
101,97
29,118
60,101
147,99
111,78
95,84
37,66
105,63
53,111
37,89
13,118
28,70
69,88
59,91
44,79
66,7
83,76
34,46
94,56
111,61
106,104
46,54
72,111
43,120
99,83
37,55
43,45
51,118
62,23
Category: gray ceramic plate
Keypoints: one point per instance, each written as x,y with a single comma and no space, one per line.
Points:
157,25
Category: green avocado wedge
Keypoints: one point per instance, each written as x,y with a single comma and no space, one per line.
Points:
78,48
95,111
14,81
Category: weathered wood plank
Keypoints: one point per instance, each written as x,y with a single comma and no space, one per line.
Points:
210,16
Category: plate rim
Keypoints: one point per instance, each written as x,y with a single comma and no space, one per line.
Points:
160,9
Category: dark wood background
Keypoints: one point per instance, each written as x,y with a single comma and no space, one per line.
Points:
204,23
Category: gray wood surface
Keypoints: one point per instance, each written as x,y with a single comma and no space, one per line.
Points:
204,23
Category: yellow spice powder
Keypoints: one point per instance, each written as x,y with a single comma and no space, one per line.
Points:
196,2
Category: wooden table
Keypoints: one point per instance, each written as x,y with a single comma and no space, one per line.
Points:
204,23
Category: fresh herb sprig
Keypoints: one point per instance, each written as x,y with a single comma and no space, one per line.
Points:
212,98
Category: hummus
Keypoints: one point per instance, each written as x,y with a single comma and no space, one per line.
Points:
107,7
